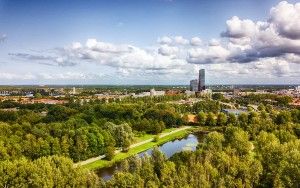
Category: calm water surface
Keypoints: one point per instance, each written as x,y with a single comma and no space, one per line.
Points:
169,148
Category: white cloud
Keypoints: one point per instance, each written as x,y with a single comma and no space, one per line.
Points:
208,55
180,40
195,41
250,41
246,47
12,76
237,28
49,76
165,40
168,50
285,17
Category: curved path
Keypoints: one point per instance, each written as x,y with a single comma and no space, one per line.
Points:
90,160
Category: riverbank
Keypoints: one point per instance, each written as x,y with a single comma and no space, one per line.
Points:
138,148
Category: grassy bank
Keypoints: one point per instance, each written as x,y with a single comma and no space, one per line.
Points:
120,156
149,136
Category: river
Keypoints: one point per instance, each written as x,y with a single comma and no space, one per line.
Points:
189,142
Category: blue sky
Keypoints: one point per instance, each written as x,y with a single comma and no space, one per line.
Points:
37,41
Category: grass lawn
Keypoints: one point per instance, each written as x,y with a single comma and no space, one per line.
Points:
120,156
168,130
143,138
149,136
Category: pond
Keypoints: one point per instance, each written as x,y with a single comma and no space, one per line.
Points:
189,142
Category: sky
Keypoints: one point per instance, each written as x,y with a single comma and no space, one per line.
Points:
149,41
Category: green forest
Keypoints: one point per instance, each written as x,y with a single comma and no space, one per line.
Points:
39,144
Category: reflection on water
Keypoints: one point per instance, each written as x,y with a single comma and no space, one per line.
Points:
190,143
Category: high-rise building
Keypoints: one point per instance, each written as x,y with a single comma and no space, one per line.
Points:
201,83
194,85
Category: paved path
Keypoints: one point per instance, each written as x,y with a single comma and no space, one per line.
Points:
90,160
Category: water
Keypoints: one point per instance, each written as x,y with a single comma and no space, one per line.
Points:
190,142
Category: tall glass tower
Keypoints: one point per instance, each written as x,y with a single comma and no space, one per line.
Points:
201,81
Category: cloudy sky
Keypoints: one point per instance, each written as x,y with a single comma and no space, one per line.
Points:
149,41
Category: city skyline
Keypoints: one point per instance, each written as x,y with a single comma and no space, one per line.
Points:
149,42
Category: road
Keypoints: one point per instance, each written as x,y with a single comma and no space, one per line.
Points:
90,160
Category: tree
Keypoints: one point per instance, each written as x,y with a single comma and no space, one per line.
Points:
210,119
295,115
232,120
126,145
158,159
110,152
213,141
38,96
217,96
261,107
239,140
51,171
156,138
201,118
168,174
221,119
283,117
243,120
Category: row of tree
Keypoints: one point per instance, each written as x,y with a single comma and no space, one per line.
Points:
75,139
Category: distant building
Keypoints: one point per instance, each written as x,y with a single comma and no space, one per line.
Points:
236,92
4,93
201,81
189,93
194,85
297,88
74,91
151,93
29,95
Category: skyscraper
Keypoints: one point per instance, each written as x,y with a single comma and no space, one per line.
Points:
201,83
194,85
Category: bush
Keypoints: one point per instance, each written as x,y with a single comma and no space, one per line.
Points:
156,138
126,145
110,153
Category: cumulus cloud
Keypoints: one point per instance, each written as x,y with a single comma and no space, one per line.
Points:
208,55
285,18
168,50
278,36
12,76
258,47
165,40
44,59
237,28
126,59
49,76
68,76
180,40
170,40
195,41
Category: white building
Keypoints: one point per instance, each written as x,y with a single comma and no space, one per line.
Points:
151,93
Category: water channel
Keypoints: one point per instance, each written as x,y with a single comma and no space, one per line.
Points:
189,142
